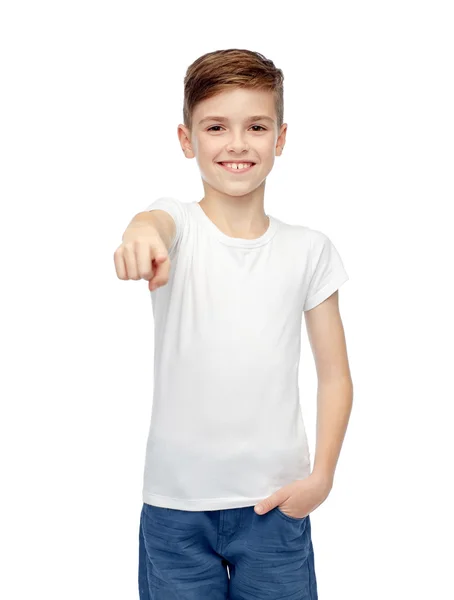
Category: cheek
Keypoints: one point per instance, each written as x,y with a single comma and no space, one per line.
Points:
267,147
208,156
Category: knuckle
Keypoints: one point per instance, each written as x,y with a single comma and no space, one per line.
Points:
128,247
146,274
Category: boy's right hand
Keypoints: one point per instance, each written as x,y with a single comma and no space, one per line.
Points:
143,255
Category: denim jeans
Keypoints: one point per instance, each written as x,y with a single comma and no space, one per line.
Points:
230,554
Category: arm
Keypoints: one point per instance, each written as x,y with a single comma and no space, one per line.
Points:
335,388
144,251
160,220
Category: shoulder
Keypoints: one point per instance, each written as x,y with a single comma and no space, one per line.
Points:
293,231
319,240
312,239
173,206
167,202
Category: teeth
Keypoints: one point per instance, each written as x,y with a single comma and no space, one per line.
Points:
237,165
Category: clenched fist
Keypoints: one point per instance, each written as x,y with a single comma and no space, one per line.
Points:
143,255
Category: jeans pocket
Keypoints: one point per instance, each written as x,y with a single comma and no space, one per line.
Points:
288,517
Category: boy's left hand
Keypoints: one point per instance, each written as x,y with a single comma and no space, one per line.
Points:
299,498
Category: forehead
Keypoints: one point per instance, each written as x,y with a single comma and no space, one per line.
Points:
237,104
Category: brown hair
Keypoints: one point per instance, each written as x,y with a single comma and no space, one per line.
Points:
221,70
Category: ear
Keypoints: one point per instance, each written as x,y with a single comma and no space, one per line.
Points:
184,135
280,143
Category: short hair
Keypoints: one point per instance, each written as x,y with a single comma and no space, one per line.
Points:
222,70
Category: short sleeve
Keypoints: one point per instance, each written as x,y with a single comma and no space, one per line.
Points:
177,211
328,272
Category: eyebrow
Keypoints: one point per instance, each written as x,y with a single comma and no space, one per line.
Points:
225,119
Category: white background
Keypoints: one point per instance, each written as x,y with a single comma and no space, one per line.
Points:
92,93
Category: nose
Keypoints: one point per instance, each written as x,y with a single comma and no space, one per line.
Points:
238,144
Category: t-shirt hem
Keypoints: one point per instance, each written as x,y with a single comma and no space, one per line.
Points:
198,504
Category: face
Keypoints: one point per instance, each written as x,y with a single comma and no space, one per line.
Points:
234,137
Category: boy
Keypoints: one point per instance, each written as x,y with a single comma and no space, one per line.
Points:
229,286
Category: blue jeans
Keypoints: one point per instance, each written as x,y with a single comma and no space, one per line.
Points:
231,554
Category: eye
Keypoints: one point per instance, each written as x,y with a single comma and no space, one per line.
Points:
214,126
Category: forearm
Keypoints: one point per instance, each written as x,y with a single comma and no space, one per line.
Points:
157,220
334,404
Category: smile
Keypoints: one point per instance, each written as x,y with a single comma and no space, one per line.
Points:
236,170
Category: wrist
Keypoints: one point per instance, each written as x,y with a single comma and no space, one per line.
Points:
326,478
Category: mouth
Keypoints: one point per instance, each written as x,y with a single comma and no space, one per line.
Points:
237,170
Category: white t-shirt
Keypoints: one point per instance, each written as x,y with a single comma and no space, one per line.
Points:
226,426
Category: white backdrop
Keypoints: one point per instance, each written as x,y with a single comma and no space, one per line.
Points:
92,94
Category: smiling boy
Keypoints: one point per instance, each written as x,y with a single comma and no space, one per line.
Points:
230,285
